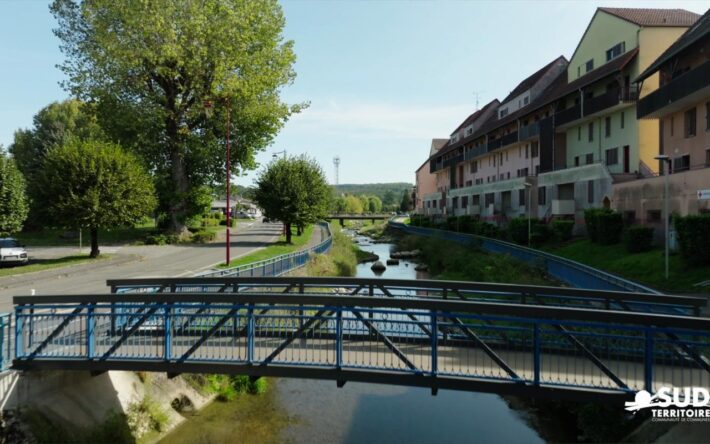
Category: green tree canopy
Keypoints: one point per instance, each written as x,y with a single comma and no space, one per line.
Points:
375,204
94,184
13,201
406,203
293,190
152,66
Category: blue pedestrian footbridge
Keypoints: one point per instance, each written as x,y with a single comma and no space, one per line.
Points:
506,339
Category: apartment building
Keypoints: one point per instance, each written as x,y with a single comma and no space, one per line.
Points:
602,142
681,107
425,182
567,134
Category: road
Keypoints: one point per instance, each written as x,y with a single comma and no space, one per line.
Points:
132,262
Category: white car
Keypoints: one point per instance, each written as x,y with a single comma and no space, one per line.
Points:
11,252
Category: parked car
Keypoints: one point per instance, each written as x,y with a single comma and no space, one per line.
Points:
11,252
244,215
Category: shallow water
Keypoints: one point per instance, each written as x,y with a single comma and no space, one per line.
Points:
311,411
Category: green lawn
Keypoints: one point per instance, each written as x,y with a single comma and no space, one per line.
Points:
276,249
646,268
53,237
47,264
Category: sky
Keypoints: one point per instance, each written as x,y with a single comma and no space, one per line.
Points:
382,77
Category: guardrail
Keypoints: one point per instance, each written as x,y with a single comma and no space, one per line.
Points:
6,342
502,348
277,265
566,270
421,288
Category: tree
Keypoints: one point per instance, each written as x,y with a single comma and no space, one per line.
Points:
375,204
353,205
13,201
406,203
389,198
293,190
94,184
153,66
53,125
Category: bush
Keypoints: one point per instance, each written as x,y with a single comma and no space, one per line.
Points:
203,237
518,231
694,237
161,239
638,238
210,222
562,229
604,226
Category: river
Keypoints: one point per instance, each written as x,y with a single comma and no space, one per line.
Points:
310,411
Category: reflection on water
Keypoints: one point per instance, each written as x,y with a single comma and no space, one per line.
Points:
310,411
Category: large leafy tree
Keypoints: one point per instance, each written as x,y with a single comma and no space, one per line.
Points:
406,203
152,66
94,184
13,201
53,126
294,191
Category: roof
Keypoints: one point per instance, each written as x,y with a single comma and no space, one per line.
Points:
594,75
654,17
532,80
700,29
475,115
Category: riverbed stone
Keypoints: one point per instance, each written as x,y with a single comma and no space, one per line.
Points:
378,266
392,261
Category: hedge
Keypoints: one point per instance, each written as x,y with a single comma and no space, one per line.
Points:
604,226
562,229
694,237
518,231
638,238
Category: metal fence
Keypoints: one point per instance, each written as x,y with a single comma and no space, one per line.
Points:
277,265
568,271
504,348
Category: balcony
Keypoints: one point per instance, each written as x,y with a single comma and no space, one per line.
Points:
495,144
609,99
475,152
453,161
562,207
568,115
435,166
509,138
683,90
530,131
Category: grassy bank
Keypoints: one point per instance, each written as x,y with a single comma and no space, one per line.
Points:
451,261
276,249
341,260
48,264
645,267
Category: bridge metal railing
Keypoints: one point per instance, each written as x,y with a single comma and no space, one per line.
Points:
400,288
6,343
277,265
566,270
504,348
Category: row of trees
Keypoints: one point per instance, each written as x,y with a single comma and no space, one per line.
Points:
155,84
350,204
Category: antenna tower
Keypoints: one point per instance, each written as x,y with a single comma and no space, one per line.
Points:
336,163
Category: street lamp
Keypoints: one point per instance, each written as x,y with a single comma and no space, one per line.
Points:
208,106
666,171
276,154
528,187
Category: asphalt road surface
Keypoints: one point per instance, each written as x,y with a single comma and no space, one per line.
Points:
132,262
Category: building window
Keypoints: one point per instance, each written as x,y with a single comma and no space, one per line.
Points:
579,133
526,100
578,71
526,151
541,195
681,163
521,197
474,167
469,183
607,126
707,116
464,202
590,158
612,156
629,218
537,170
476,200
590,192
490,199
535,149
576,161
690,123
615,51
590,134
707,158
589,65
503,112
502,177
653,216
622,120
455,202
